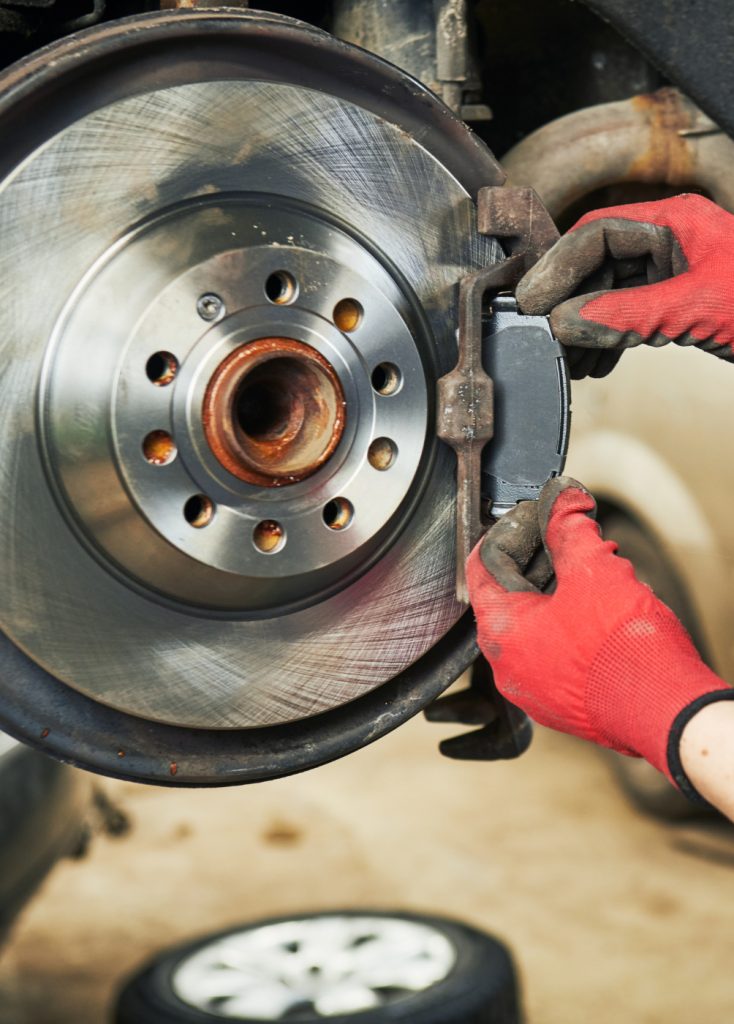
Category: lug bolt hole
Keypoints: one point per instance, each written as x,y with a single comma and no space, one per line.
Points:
382,453
161,368
268,536
348,315
199,511
338,513
386,379
159,448
281,288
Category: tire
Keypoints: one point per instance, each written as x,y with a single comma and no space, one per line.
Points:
430,971
648,790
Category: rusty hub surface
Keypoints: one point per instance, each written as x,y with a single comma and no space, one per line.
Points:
274,412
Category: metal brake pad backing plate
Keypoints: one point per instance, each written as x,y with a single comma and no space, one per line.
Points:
201,214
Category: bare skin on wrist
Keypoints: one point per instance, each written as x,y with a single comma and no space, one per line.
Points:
707,754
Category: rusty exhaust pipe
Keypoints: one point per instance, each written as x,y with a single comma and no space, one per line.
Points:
661,138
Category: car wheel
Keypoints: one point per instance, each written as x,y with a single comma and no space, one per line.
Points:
647,788
355,967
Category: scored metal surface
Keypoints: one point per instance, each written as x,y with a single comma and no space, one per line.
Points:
59,212
97,381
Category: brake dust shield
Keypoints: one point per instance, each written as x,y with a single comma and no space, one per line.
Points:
230,255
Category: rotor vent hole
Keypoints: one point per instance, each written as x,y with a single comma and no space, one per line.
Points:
386,379
159,448
338,513
348,315
199,511
281,288
382,453
161,368
268,536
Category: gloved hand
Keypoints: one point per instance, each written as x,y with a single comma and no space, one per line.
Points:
600,657
681,252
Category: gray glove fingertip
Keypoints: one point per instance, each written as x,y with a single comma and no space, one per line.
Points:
510,545
584,362
533,297
560,271
605,362
540,570
550,494
576,331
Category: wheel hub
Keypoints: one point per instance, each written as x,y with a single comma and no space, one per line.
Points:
243,476
274,412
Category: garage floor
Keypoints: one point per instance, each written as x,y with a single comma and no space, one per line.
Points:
612,917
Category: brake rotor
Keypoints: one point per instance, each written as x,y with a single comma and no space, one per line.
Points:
230,255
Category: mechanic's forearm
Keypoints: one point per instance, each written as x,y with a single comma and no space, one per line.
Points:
707,754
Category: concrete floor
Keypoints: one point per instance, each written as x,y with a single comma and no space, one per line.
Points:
612,917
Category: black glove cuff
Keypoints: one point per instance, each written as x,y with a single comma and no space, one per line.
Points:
681,720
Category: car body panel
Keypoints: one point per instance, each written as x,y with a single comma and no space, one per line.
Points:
650,440
43,807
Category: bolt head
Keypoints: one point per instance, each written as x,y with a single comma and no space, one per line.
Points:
210,307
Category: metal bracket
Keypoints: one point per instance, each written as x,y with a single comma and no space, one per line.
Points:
517,216
465,420
465,415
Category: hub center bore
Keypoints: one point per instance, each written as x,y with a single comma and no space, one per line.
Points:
274,412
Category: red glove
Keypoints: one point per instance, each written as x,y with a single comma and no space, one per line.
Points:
680,250
601,657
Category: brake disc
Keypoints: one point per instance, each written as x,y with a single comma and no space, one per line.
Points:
230,252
